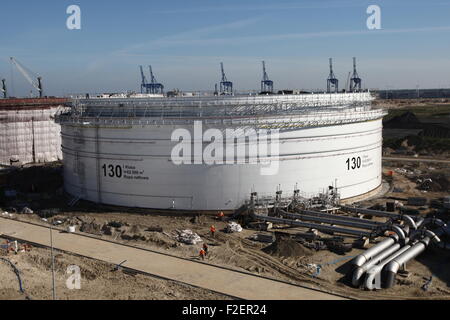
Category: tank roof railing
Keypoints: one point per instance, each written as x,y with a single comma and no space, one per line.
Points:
164,111
280,121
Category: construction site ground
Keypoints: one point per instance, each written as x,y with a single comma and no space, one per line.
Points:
290,263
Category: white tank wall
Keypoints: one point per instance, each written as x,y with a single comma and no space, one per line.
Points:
313,158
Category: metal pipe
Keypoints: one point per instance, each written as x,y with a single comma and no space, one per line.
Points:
360,271
314,226
392,267
399,232
373,251
419,222
335,216
371,212
374,271
407,219
360,225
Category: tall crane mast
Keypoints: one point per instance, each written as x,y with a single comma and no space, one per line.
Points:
226,87
154,86
332,82
36,84
266,84
355,81
144,81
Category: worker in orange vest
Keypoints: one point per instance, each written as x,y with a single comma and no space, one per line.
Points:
205,248
202,254
220,216
213,230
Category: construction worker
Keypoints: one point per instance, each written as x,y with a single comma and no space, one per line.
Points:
212,230
205,248
202,254
220,216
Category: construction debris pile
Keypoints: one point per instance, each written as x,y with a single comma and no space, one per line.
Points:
187,236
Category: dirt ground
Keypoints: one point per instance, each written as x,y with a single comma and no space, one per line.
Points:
230,250
99,280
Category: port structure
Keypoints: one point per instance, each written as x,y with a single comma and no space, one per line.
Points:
144,80
332,82
29,75
266,84
153,87
355,81
226,87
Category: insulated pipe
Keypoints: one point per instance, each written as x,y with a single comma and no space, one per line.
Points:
360,225
419,222
340,217
376,249
392,267
314,226
404,217
371,212
375,270
399,232
409,221
359,272
434,238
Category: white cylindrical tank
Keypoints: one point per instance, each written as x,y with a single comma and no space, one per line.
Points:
128,153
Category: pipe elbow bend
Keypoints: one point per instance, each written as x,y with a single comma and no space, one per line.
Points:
410,221
357,275
359,260
399,232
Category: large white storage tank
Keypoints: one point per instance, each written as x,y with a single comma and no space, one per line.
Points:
127,152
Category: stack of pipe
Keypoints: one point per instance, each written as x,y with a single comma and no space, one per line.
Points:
388,256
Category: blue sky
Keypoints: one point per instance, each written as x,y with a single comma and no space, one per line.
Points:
185,41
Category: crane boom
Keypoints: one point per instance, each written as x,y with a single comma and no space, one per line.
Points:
144,80
152,77
37,85
224,78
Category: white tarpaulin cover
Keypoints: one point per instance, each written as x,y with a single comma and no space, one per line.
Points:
29,135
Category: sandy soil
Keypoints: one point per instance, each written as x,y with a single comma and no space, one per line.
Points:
99,280
237,252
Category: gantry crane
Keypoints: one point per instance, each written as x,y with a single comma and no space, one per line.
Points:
266,84
355,81
144,81
332,82
150,87
226,87
26,73
154,86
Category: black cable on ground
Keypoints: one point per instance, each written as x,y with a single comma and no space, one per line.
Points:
17,272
